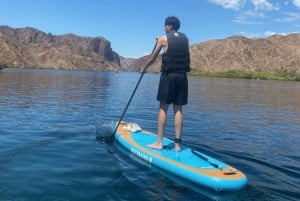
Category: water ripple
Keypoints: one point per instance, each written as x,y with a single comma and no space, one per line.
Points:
49,123
4,194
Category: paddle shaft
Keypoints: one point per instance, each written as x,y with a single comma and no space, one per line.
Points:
115,130
142,74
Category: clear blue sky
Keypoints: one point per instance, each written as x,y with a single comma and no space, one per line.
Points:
132,25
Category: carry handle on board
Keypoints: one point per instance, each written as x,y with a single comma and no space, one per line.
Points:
206,159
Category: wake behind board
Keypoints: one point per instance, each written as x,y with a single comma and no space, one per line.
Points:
189,164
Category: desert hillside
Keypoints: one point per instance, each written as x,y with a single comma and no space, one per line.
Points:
32,48
239,53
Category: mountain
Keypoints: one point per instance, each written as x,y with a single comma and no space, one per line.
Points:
277,52
270,54
32,48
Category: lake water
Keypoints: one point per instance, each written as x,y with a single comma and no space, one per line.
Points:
50,120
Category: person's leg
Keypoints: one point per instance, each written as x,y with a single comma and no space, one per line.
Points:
178,121
162,118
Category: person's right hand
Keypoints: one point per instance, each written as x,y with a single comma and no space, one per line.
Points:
143,70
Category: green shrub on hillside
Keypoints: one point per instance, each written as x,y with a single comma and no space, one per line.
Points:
2,64
277,75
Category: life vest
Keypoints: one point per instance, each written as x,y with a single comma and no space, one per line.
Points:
177,57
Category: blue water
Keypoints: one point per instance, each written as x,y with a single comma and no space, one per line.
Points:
50,120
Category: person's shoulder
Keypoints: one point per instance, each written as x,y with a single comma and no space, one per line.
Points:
176,34
182,34
161,38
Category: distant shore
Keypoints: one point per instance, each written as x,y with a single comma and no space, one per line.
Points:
283,75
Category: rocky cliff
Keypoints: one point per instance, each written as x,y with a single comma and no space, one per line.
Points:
270,54
239,53
31,48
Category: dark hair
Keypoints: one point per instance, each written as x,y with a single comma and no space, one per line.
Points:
173,21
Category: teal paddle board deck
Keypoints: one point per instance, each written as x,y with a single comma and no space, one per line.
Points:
189,164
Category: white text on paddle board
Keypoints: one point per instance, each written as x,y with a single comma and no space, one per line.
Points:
141,155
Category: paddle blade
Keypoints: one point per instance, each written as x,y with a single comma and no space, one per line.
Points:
105,132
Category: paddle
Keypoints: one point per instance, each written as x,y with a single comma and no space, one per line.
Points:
115,130
111,137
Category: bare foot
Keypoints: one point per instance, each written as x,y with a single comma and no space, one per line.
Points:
155,145
177,147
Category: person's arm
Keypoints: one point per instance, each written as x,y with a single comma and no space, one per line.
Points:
156,50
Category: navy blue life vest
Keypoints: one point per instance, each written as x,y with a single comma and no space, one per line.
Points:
177,57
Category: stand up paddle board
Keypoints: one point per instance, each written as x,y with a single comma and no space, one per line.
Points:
189,164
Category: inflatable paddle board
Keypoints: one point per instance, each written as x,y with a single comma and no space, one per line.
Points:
189,164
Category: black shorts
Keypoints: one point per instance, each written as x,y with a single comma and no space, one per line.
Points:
173,88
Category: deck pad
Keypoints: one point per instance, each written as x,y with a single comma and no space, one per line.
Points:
185,156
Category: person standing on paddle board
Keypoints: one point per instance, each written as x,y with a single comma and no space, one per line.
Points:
173,84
